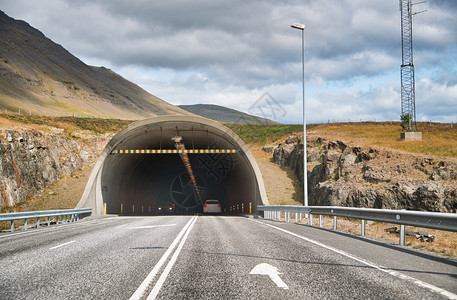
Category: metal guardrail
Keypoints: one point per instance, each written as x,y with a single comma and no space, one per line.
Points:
65,215
441,221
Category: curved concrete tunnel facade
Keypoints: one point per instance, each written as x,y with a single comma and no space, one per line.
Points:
141,183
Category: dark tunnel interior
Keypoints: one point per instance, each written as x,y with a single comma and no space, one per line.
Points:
150,184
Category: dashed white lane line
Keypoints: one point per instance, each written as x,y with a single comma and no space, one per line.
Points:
55,247
156,289
121,226
152,226
418,282
147,281
56,227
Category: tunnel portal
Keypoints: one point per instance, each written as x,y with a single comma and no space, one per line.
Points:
142,183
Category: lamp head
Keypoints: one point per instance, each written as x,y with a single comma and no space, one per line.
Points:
298,26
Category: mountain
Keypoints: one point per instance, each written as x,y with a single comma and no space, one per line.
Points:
224,115
41,77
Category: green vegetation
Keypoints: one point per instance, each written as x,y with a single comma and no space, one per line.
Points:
405,121
263,134
98,126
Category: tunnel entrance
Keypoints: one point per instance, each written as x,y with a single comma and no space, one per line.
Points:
140,183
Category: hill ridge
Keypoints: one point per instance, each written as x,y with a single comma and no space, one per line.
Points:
225,115
41,76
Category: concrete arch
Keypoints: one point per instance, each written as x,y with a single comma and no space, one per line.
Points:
140,183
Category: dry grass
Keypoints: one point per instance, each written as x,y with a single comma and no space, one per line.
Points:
282,186
63,194
439,139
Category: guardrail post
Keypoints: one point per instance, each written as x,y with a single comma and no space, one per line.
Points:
242,208
363,228
38,222
335,223
301,217
250,208
25,224
288,217
133,209
311,220
122,208
320,220
402,235
296,217
12,225
49,221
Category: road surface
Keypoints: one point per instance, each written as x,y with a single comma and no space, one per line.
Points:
212,257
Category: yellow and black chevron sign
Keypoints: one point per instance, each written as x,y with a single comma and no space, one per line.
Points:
171,151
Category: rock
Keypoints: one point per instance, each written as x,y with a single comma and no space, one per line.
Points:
292,140
443,173
33,159
344,175
84,155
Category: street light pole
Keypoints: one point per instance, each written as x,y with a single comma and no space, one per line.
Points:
305,168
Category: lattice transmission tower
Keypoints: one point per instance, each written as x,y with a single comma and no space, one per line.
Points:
408,99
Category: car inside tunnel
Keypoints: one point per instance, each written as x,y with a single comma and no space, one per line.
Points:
130,179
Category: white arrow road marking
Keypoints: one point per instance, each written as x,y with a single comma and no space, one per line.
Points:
397,274
266,269
52,248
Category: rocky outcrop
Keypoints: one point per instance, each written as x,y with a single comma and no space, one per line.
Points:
32,159
344,175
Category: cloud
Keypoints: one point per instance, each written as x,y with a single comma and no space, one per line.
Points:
231,52
436,101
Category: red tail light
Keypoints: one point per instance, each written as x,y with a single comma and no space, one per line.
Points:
205,205
218,205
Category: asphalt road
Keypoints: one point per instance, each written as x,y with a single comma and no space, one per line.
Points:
213,257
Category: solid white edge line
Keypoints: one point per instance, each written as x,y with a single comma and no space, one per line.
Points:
55,247
55,227
144,285
397,274
156,289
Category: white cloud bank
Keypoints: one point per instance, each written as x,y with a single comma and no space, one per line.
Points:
230,52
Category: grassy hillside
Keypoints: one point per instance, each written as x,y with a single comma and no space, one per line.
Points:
263,134
69,124
40,76
225,115
438,138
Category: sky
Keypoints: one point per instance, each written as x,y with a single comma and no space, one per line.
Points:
245,55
